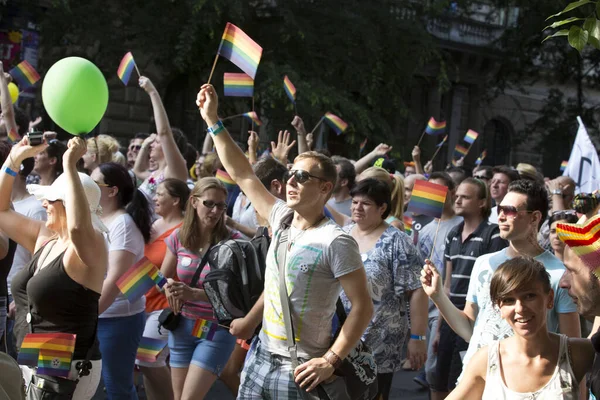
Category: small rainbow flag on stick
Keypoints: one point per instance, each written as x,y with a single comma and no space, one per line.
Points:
440,144
290,89
238,85
24,74
336,123
434,127
126,68
240,49
204,329
471,136
252,116
362,146
563,166
427,199
140,278
51,351
481,157
149,349
462,151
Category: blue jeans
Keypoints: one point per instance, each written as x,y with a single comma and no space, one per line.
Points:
119,339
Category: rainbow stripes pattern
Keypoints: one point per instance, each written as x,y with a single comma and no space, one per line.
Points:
52,353
252,116
563,166
204,329
24,74
408,223
14,136
140,278
149,349
240,49
362,146
440,144
461,150
126,68
434,127
481,157
471,136
336,123
225,179
238,85
427,199
289,88
584,240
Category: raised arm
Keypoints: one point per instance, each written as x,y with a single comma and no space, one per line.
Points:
298,124
252,146
142,161
232,157
85,238
381,150
416,156
8,112
176,167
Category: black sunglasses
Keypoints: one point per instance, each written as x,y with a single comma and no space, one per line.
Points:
211,204
300,176
511,211
135,147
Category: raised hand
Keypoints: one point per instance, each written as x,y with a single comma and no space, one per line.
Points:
252,141
208,103
431,280
298,124
310,141
23,149
416,153
76,148
381,150
283,146
146,84
428,168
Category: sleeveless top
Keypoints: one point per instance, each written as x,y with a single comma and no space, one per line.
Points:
562,384
58,304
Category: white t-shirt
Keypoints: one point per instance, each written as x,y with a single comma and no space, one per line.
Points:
244,214
489,325
494,215
31,208
125,235
315,261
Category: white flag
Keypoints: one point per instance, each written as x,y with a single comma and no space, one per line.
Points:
584,165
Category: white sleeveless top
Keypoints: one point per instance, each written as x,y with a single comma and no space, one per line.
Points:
562,385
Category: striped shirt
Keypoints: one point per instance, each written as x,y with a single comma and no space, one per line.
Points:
485,239
187,264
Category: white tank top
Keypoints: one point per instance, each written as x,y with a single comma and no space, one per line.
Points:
562,385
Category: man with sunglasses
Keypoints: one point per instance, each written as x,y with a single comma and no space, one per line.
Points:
134,148
520,215
321,260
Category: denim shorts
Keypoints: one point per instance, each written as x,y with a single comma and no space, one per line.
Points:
211,355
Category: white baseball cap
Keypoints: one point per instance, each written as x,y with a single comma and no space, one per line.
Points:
57,191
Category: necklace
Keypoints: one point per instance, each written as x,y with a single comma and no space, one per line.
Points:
292,241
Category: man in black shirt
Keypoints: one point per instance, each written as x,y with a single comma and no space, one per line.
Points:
473,237
582,279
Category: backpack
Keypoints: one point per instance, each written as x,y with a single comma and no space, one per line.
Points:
237,275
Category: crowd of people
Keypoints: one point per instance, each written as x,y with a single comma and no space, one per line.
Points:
492,300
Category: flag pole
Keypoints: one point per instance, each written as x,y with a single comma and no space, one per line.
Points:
136,68
435,237
295,108
213,68
316,126
252,111
231,117
436,152
421,138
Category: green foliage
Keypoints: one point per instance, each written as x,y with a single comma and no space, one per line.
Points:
579,35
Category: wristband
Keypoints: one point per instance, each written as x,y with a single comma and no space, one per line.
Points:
9,171
557,192
333,359
216,128
417,337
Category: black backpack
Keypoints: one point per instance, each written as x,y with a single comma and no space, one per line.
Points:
237,275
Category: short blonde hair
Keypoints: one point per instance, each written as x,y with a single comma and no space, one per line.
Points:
104,147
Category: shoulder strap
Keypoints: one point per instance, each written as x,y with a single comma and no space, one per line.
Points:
283,238
198,272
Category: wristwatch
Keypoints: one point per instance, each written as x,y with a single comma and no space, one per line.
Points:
557,191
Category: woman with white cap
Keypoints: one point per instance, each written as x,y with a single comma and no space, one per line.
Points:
59,290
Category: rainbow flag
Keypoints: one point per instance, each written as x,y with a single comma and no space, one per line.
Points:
204,329
362,146
126,68
481,157
471,136
240,49
24,74
238,85
289,88
149,349
225,179
440,144
563,166
54,363
434,127
253,117
427,199
408,222
140,278
462,151
34,342
14,136
336,123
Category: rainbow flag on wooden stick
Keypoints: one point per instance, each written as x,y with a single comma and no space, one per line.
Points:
289,88
471,136
252,116
240,49
440,144
434,127
24,74
481,157
142,276
336,123
461,150
149,349
238,85
204,329
362,146
427,199
126,68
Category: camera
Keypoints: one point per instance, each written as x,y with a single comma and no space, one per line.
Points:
35,137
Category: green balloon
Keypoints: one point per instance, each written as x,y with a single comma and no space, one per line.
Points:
75,95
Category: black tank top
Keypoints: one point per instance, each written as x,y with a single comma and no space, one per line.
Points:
58,304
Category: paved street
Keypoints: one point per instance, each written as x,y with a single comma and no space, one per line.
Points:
403,388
